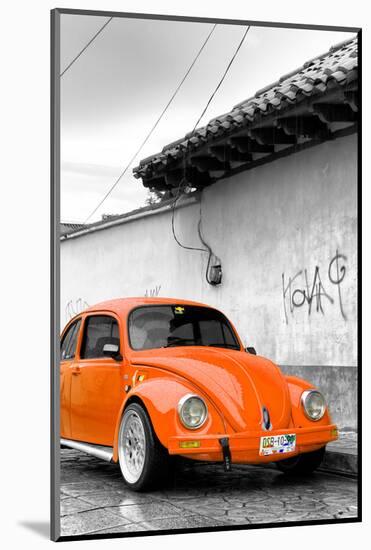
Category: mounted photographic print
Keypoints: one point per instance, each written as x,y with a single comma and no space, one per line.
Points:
205,198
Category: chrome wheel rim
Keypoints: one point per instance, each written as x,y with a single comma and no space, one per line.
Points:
132,447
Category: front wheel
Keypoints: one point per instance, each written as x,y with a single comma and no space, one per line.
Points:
302,464
143,460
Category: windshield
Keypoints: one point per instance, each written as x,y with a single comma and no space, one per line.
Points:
179,325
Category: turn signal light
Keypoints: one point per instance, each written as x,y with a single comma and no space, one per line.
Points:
189,444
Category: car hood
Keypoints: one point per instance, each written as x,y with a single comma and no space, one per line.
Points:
238,383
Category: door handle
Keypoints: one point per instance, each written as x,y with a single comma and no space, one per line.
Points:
76,370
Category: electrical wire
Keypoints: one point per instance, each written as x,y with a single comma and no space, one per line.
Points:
183,181
153,127
207,247
223,77
173,228
85,47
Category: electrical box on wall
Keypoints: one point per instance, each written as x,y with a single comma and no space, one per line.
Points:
214,274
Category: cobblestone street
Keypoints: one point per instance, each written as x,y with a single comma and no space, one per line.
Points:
94,498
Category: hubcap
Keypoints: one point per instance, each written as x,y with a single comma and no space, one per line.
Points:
132,446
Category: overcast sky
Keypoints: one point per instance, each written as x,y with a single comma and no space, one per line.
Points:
114,93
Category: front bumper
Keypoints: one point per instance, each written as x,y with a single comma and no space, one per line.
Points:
244,446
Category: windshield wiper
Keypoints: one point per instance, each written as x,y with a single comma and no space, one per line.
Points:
176,341
232,346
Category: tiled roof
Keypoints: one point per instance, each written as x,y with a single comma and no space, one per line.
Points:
66,227
293,93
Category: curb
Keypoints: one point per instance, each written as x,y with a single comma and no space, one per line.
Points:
342,461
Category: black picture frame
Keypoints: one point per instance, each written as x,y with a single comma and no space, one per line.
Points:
55,269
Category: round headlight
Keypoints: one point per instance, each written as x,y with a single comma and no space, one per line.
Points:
314,404
192,411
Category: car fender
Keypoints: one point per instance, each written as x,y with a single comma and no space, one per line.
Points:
296,388
160,396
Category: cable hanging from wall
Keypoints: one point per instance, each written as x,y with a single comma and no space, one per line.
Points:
213,269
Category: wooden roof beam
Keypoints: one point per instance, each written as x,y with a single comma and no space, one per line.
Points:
271,136
206,163
328,112
225,153
351,98
196,177
247,145
156,183
308,126
174,177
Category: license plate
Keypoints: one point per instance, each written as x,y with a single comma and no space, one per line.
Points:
277,444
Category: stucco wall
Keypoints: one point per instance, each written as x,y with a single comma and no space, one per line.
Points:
292,218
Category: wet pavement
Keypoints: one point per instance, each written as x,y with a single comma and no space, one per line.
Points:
94,498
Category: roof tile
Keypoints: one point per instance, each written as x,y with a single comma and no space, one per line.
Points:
335,68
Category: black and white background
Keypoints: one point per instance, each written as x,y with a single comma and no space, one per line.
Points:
25,249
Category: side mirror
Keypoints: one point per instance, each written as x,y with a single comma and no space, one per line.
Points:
112,350
251,350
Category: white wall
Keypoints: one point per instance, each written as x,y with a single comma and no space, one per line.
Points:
284,217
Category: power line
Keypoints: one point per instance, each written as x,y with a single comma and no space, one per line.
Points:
152,129
184,179
85,47
222,79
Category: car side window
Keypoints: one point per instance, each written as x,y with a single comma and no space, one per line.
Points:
99,330
69,341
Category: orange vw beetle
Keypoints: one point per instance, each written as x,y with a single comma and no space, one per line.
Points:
143,379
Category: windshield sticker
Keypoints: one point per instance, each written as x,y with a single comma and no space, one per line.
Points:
179,310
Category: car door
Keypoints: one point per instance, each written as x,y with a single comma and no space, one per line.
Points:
96,387
68,354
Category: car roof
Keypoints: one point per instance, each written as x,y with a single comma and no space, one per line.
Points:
123,305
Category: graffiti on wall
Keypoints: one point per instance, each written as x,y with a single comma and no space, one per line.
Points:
73,307
152,292
315,292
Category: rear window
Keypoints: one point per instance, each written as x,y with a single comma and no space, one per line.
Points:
69,341
179,325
